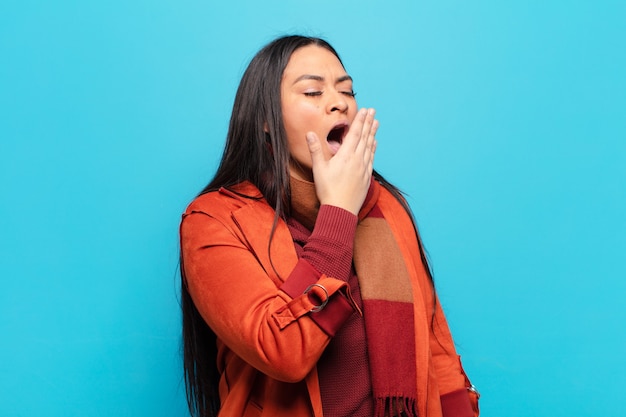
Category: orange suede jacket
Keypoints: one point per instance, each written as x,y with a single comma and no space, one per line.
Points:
268,344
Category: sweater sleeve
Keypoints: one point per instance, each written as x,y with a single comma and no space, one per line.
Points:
328,251
330,247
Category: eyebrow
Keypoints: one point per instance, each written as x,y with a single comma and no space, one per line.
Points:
320,78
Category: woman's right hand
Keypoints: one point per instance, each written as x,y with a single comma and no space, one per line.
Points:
344,179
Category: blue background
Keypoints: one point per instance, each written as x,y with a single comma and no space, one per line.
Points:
505,122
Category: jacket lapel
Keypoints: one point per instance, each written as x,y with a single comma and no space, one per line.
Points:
255,222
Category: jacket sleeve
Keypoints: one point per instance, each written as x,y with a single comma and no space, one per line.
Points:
264,325
459,397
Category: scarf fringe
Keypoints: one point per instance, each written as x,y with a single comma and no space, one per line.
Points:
395,407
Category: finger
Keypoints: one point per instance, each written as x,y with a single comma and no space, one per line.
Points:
368,133
367,130
372,134
370,163
315,148
368,123
352,139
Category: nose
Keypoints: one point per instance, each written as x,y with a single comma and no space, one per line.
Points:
337,102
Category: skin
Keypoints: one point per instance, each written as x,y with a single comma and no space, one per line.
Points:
316,95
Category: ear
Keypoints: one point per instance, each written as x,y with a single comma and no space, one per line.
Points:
266,128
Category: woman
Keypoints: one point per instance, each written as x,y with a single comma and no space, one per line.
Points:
305,289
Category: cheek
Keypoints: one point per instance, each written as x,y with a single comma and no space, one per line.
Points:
352,111
300,118
302,111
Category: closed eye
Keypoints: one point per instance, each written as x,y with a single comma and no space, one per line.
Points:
319,93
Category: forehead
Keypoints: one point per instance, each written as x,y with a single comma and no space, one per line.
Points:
314,60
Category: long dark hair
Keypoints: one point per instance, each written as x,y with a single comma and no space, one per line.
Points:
256,151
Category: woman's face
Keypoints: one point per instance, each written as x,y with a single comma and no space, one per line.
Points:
316,96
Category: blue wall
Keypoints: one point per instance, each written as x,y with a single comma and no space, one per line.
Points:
505,122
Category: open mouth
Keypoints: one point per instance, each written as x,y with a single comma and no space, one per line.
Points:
336,135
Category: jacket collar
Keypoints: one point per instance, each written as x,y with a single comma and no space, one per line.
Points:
255,219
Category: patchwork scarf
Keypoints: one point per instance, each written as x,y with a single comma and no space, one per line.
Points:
386,292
